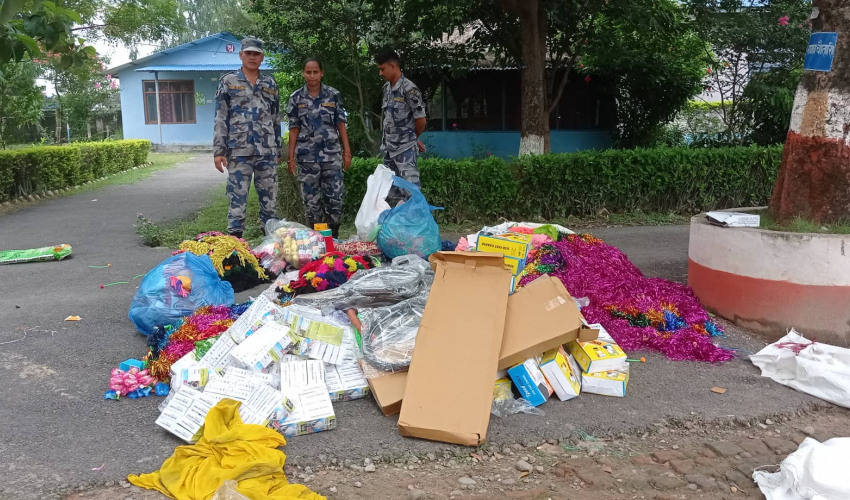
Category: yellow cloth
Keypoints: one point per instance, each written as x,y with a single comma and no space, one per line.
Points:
228,449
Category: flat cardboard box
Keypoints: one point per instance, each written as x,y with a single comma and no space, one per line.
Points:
530,382
450,381
389,391
541,316
346,381
562,372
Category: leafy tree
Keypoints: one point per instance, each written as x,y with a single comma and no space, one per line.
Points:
32,29
207,17
654,68
542,37
756,47
82,93
21,100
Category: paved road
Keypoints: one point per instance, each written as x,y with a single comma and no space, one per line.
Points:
57,428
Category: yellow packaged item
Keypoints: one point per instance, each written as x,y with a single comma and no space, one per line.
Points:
611,383
598,355
562,372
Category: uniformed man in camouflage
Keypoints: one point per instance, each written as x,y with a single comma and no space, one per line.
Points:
403,123
246,137
318,147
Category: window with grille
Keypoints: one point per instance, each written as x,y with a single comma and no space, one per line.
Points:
176,101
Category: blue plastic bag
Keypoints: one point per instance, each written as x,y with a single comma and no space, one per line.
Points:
175,288
409,228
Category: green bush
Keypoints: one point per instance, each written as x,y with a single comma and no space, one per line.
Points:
44,168
578,184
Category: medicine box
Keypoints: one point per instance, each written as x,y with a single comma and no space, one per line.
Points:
530,382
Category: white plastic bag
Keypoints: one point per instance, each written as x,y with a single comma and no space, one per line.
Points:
821,370
374,202
816,471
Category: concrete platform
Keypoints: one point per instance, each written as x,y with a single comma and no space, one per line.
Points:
770,281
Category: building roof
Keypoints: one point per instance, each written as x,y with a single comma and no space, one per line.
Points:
198,67
144,64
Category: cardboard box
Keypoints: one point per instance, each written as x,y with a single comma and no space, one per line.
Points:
346,381
389,391
450,381
530,382
259,312
185,413
598,355
263,347
514,245
302,374
313,412
562,372
541,316
260,401
611,383
733,219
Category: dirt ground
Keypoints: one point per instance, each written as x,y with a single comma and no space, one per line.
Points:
676,460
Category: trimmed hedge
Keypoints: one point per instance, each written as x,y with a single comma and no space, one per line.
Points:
575,184
43,168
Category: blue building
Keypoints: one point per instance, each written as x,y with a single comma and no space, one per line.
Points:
183,80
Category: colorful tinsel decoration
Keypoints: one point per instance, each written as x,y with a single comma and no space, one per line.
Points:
167,345
638,312
231,256
330,271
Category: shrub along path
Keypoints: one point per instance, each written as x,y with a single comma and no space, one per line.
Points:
59,433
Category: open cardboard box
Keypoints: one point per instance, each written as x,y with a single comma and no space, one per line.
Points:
541,316
449,388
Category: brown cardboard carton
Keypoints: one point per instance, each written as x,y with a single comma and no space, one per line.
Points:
541,316
450,382
389,391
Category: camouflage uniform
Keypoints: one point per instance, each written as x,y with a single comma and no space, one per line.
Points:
403,105
318,151
247,132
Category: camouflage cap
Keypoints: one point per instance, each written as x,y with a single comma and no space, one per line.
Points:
252,44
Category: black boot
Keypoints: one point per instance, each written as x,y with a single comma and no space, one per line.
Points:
334,230
236,234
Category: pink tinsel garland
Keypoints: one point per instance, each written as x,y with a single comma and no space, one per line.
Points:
605,275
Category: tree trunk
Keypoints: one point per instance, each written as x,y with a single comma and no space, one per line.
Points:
814,177
534,129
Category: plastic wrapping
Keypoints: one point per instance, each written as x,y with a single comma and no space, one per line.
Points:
228,491
289,244
374,203
407,276
176,288
409,228
505,405
389,335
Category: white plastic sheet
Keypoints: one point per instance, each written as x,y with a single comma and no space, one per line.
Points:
374,202
821,370
816,471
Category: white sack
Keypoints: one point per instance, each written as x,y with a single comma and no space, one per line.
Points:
815,471
375,201
821,370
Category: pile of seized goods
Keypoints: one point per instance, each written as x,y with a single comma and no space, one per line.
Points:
547,312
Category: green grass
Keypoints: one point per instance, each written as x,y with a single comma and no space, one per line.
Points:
800,225
211,218
159,161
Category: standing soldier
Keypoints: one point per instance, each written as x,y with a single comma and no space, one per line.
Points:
403,123
317,121
247,136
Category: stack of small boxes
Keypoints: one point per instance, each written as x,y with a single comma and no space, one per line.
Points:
595,367
603,363
286,367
